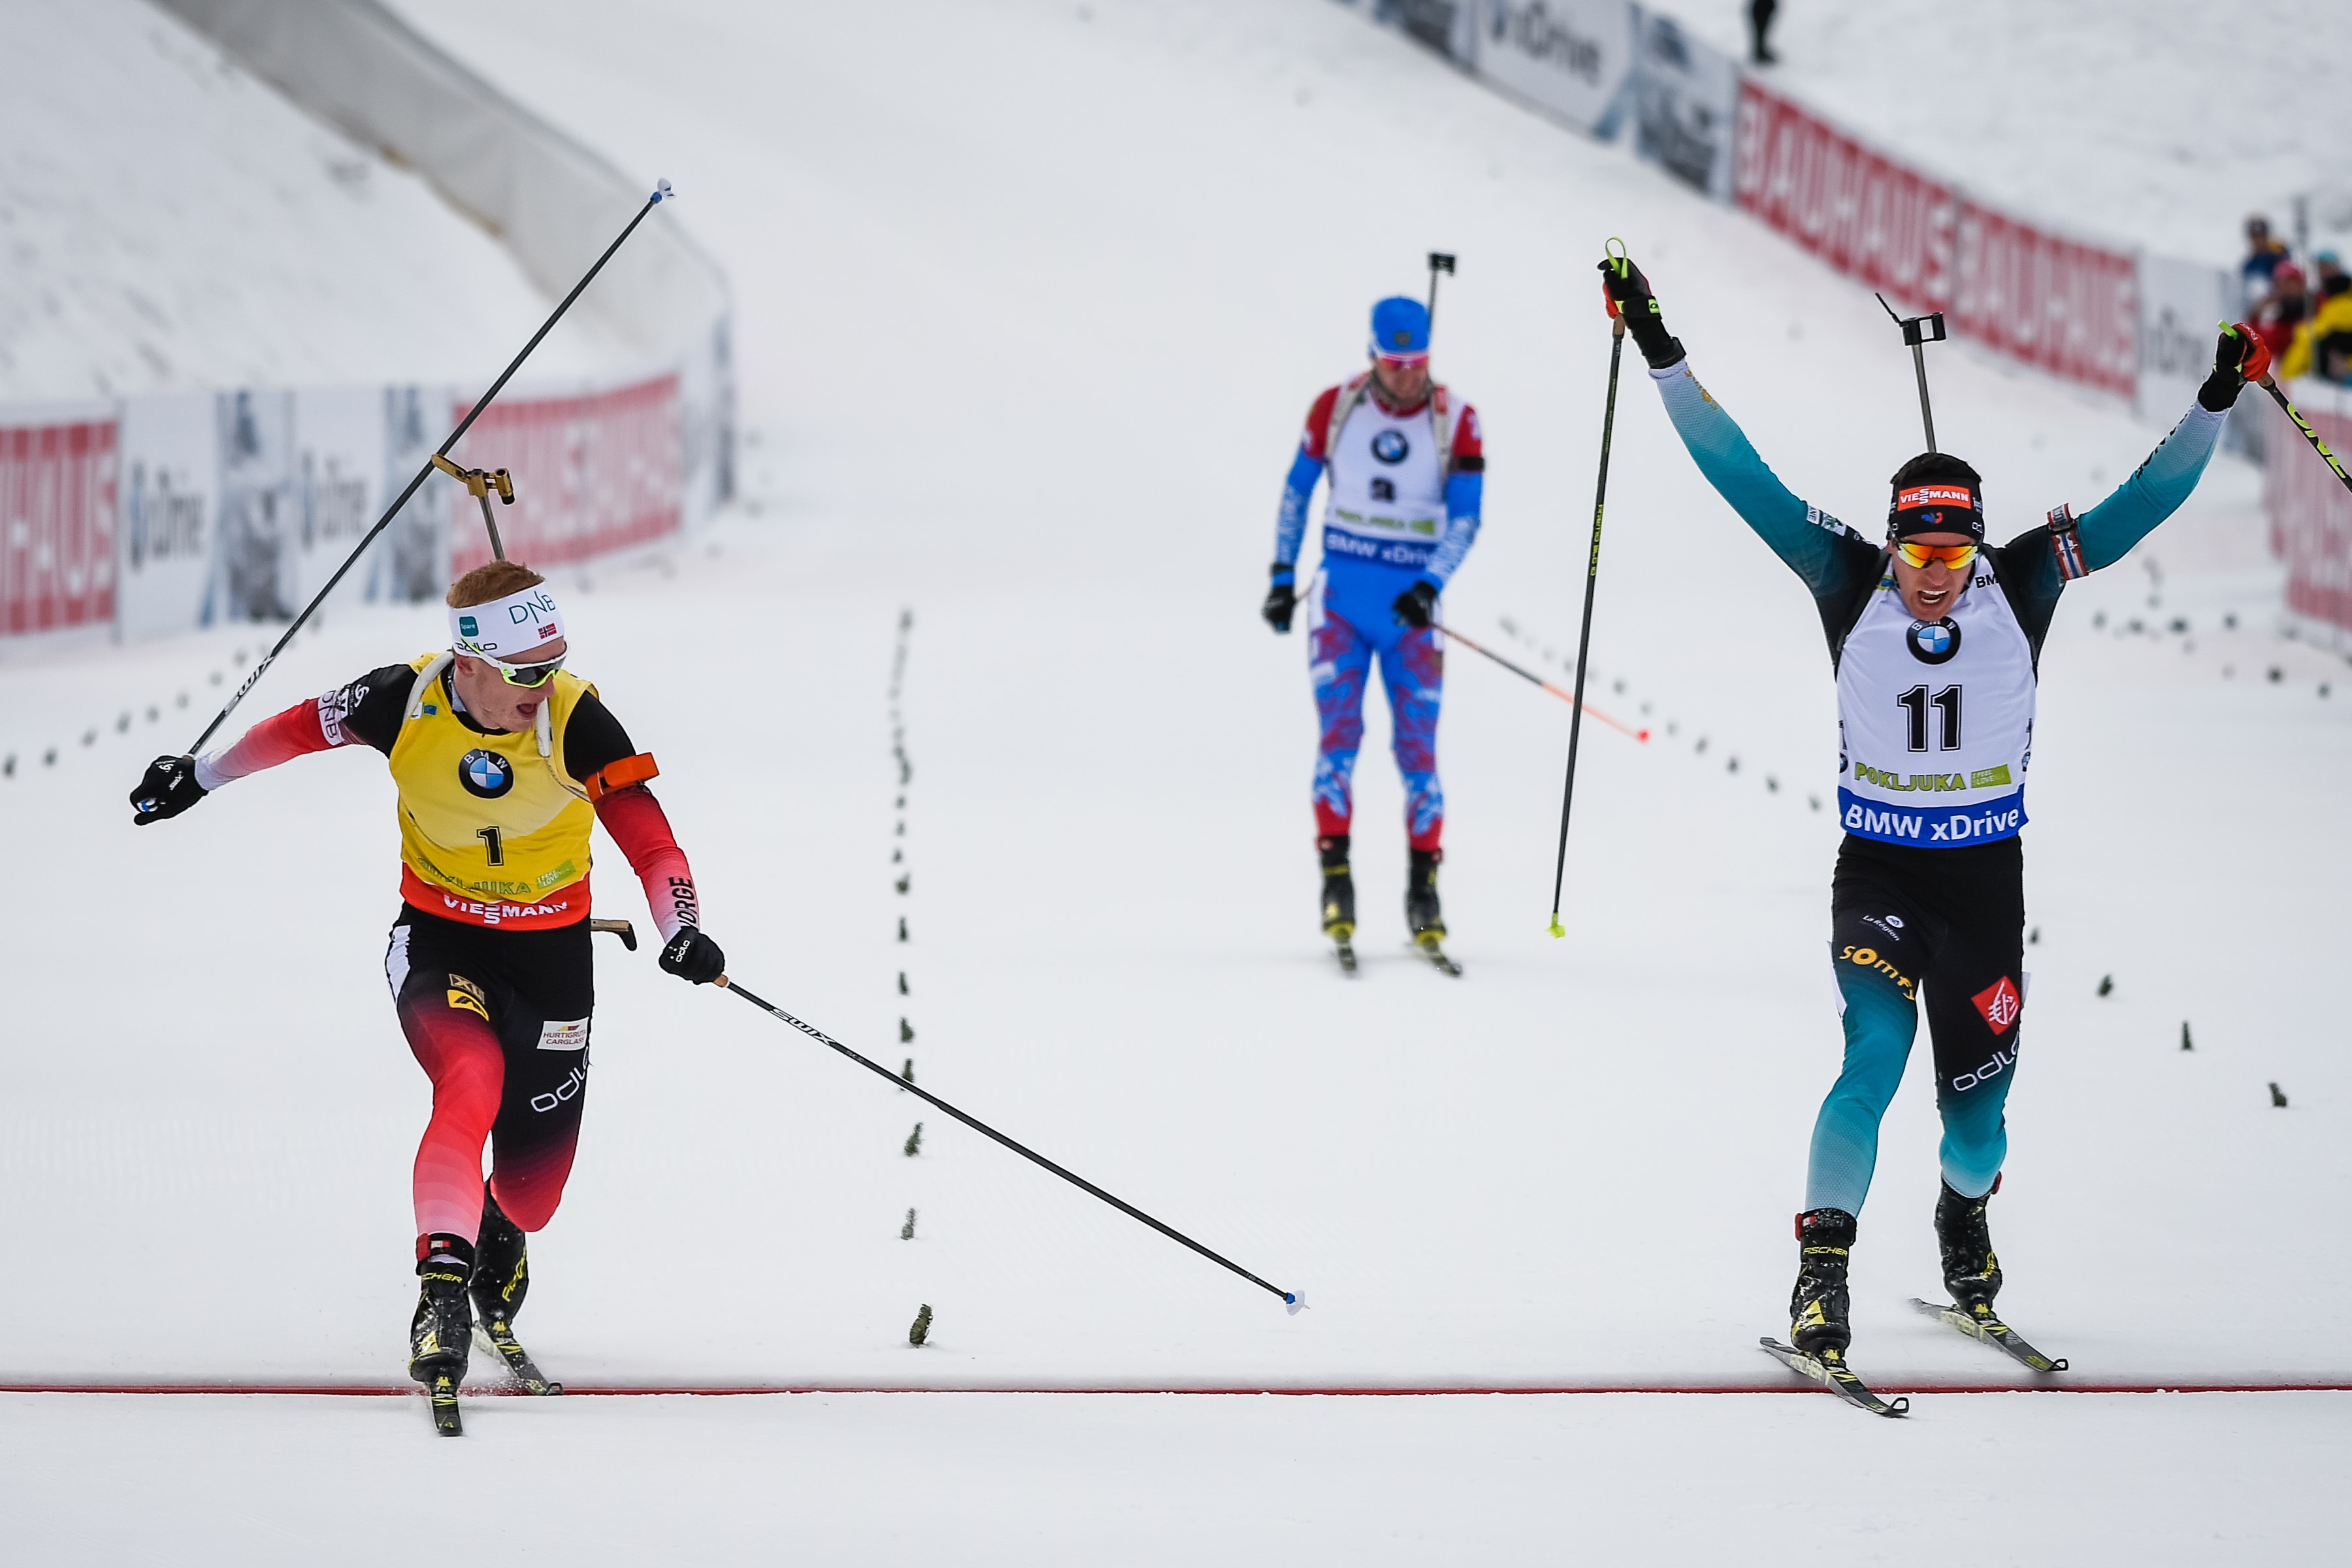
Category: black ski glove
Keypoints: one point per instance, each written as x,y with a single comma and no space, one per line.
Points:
1630,296
169,788
1281,600
2238,357
690,955
1417,606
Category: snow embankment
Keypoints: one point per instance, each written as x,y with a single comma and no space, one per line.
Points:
170,222
2163,122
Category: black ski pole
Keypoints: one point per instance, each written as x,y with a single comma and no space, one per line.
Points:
661,192
1291,1299
2309,434
1591,579
1918,332
1438,262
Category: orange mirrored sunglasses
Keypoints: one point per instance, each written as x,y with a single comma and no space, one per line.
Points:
1955,556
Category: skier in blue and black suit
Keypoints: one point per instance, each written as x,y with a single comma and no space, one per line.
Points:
1935,642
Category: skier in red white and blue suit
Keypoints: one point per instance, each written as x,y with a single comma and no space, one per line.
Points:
1406,466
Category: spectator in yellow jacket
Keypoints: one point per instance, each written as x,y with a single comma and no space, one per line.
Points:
2323,345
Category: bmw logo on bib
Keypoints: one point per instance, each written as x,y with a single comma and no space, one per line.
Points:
1389,447
486,774
1933,642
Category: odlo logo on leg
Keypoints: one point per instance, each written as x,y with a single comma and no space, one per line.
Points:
572,1084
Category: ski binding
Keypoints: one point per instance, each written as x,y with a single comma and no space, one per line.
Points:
500,1337
1831,1371
1980,1324
1429,947
442,1396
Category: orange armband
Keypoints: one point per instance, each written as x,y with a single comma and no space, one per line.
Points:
628,770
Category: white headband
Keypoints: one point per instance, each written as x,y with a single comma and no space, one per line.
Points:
504,627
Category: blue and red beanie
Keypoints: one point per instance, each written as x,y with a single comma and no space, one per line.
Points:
1400,327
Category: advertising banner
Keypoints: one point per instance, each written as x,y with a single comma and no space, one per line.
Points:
57,478
338,488
410,562
254,567
1572,58
2062,305
169,504
2068,308
1686,105
592,473
2310,510
2181,304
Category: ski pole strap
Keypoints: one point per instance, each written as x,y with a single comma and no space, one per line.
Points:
1291,1299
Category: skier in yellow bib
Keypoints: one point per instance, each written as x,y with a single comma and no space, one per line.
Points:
503,761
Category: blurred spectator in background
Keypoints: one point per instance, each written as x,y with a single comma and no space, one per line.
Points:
2323,343
2263,256
1759,23
2332,279
2288,307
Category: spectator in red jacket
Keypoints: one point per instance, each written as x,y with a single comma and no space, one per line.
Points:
2288,307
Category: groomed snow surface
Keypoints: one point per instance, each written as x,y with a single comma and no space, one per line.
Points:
170,222
1031,300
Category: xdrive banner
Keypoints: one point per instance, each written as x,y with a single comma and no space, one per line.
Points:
1572,58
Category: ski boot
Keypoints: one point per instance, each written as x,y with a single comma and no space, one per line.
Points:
501,1278
1420,913
501,1268
1971,1271
1338,896
1817,1321
441,1334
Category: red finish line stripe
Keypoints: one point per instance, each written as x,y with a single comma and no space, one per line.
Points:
573,1391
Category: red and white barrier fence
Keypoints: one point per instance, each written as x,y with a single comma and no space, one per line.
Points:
161,514
2063,305
2310,510
57,524
593,474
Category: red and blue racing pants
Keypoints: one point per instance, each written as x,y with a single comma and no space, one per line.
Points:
1349,625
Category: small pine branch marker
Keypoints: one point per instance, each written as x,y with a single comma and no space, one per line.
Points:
915,1142
905,1033
907,1231
907,1073
2106,984
2184,1037
923,1329
2278,1096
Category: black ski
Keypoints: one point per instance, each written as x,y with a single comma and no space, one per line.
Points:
1346,956
1437,955
442,1396
1980,1324
499,1337
1831,1373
